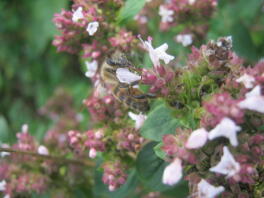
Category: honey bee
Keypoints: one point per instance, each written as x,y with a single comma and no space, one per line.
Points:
127,94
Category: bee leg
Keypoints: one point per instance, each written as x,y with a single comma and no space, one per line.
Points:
134,83
123,85
150,95
142,96
122,62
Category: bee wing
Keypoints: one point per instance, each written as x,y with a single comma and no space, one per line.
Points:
125,76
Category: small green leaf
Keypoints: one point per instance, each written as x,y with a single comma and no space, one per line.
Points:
160,121
160,153
131,8
150,169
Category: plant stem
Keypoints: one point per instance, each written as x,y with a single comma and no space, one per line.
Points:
50,157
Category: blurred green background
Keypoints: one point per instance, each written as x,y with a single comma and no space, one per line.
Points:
31,69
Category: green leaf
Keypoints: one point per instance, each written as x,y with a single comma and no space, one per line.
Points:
160,121
131,8
150,169
4,130
160,153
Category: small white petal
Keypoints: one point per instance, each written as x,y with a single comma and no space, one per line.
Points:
166,14
3,154
227,165
197,139
172,174
254,92
7,196
99,134
206,190
92,28
42,150
184,39
254,100
77,14
125,76
24,128
157,54
91,68
138,118
2,185
191,2
247,80
111,188
226,128
92,153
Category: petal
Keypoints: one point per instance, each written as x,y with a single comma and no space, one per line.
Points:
42,150
247,80
253,103
173,172
207,190
226,128
125,76
197,139
254,92
227,165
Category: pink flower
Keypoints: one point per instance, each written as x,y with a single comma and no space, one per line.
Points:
197,139
173,172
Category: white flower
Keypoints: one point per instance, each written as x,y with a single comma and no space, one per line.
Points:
125,76
92,28
77,15
99,134
197,139
226,128
2,185
166,14
91,68
206,190
92,153
184,39
157,54
24,128
173,172
227,165
254,100
247,80
7,196
3,154
111,188
139,119
42,150
191,2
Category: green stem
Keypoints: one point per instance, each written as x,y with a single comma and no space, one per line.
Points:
50,157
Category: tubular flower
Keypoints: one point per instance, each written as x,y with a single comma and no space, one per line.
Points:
197,139
206,190
158,53
226,128
227,165
173,172
92,28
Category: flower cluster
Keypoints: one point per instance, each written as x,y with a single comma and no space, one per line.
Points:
114,175
229,141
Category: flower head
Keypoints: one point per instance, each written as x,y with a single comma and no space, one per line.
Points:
197,139
166,14
92,28
77,14
227,165
125,76
157,54
139,119
173,172
254,100
206,190
91,68
247,80
226,128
